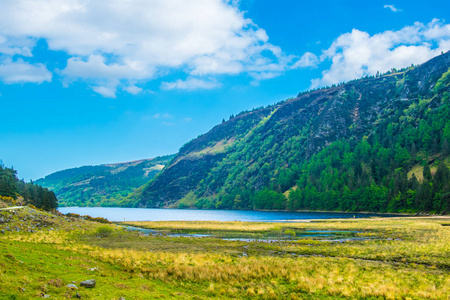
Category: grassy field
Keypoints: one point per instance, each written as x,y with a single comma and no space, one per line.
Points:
398,258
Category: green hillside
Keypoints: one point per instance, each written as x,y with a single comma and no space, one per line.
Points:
346,147
104,185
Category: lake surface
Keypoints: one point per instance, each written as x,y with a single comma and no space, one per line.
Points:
116,214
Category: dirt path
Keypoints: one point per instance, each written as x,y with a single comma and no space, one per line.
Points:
12,208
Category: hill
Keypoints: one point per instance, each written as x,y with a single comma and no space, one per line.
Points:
366,145
103,185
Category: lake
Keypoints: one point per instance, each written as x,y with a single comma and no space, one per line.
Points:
116,214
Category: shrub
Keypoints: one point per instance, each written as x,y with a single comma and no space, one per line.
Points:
104,231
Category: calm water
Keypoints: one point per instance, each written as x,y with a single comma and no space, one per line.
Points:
153,214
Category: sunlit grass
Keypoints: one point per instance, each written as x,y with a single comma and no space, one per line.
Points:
207,225
404,258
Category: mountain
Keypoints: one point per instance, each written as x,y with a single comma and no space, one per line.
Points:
103,185
362,145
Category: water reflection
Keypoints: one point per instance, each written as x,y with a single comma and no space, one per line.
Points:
267,237
116,214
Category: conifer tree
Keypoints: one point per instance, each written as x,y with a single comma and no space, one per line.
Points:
426,171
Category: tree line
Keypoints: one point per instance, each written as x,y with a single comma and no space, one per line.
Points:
12,187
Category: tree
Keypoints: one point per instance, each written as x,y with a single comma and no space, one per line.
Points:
426,171
445,147
425,196
8,182
10,186
267,199
413,183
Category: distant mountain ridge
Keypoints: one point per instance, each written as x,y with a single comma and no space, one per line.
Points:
102,185
268,150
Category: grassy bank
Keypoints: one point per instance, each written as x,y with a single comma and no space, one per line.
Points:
385,259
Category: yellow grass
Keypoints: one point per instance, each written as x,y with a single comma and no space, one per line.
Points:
206,225
418,171
406,258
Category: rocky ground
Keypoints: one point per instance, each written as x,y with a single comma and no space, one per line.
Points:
27,219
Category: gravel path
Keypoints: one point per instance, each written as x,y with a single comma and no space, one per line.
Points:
12,208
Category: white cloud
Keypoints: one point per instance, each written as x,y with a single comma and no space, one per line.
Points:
357,54
114,42
307,60
23,72
132,89
95,67
162,116
16,46
392,8
190,84
105,91
265,75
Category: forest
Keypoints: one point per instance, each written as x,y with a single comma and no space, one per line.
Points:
401,167
21,192
102,185
399,164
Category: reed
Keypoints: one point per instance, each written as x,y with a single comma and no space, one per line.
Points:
400,258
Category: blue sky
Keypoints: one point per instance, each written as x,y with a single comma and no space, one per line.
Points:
91,82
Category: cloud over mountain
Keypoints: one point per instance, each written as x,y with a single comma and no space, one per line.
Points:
119,46
357,53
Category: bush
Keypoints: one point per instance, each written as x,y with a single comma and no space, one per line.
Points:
89,218
104,231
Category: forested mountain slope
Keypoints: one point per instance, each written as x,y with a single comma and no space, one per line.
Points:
370,144
103,185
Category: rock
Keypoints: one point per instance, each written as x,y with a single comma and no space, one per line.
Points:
78,296
122,298
45,296
3,231
93,269
2,220
72,286
88,283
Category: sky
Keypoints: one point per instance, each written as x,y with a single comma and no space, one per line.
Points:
87,82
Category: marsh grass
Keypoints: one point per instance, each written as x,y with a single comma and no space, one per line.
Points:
404,258
239,230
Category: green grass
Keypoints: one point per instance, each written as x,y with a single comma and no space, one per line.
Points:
407,258
417,170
